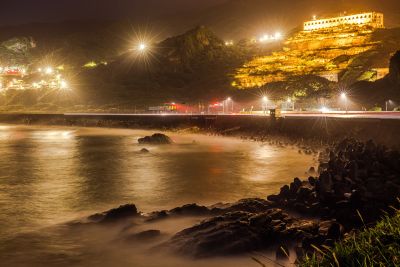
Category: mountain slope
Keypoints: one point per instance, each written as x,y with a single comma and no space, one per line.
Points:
188,68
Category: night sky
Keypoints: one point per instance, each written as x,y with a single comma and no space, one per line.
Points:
24,11
222,15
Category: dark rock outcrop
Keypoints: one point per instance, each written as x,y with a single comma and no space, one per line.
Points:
156,139
359,179
227,234
115,215
190,210
358,183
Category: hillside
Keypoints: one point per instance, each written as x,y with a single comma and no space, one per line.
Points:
347,55
195,67
378,92
191,67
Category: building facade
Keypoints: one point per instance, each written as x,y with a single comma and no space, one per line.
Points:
373,19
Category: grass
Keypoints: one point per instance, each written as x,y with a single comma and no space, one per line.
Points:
375,246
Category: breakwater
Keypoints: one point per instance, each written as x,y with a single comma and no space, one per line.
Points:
385,131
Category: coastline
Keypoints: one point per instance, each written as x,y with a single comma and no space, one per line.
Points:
306,215
323,130
317,211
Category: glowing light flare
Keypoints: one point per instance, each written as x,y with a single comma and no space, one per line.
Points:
229,43
324,109
343,95
64,85
142,47
35,85
49,70
270,38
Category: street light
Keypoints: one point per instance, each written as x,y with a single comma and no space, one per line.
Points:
265,104
278,35
227,101
142,47
291,103
388,102
63,85
49,70
344,97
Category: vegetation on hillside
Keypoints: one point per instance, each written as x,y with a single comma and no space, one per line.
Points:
350,53
190,67
197,67
379,92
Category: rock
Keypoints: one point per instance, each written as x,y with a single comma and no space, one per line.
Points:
123,212
277,214
144,236
303,193
285,191
325,182
312,180
295,185
274,198
301,207
324,226
144,150
96,217
228,234
157,215
260,219
190,210
334,231
231,233
312,170
156,138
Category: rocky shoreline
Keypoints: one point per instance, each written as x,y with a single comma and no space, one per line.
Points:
358,183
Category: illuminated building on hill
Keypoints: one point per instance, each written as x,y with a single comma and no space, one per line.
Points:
372,19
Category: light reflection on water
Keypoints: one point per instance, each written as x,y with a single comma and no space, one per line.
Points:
49,175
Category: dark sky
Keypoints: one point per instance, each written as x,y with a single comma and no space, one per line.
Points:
24,11
238,15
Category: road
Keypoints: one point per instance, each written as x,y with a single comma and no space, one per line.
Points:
348,115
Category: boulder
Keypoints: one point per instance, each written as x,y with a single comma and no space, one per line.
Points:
274,198
115,215
228,234
190,210
157,215
156,139
334,231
